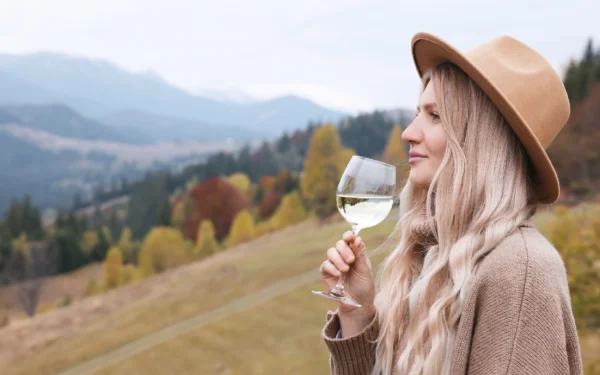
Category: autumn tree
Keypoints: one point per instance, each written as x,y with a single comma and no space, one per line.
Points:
130,273
113,268
243,229
216,200
325,162
240,181
576,235
291,210
126,246
163,247
206,243
395,153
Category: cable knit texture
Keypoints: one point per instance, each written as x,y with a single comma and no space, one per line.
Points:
517,318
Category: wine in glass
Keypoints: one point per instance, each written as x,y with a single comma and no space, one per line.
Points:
365,195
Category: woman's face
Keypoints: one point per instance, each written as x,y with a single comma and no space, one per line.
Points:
426,136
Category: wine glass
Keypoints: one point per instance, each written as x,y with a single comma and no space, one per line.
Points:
365,195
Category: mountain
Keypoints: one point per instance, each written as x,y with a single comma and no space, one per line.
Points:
151,128
226,95
98,88
60,120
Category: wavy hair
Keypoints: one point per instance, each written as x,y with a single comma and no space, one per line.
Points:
480,194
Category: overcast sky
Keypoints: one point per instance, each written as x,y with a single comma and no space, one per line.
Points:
349,55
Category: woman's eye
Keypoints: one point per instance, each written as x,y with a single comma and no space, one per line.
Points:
435,116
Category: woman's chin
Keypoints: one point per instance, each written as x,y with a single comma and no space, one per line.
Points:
418,179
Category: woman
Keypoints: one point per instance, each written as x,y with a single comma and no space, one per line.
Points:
471,286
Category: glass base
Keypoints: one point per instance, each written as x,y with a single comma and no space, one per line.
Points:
336,297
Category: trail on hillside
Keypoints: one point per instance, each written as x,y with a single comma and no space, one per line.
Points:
166,334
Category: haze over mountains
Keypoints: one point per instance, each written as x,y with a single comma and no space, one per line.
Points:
69,123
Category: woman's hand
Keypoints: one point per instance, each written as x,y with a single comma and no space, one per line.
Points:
349,256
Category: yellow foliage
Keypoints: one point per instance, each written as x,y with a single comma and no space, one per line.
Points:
576,235
131,273
89,240
240,181
290,211
108,235
113,268
242,229
21,245
126,245
163,247
395,153
206,244
326,160
265,227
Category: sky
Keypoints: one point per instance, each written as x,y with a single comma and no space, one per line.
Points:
348,55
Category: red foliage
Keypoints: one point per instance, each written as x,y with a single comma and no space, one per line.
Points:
216,200
269,203
266,182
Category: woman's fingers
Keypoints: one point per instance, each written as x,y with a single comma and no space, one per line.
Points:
334,256
328,269
345,251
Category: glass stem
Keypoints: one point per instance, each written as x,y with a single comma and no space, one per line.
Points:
339,287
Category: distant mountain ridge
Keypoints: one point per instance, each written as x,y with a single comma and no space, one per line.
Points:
60,120
98,89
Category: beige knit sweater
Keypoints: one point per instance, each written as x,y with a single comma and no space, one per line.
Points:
517,317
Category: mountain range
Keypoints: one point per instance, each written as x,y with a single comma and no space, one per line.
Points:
68,124
103,91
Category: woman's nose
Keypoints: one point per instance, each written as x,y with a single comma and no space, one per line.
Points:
412,133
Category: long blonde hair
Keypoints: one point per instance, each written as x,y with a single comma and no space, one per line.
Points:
480,194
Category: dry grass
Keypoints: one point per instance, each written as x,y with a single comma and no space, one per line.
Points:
65,337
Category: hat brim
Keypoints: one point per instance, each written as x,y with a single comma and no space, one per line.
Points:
429,51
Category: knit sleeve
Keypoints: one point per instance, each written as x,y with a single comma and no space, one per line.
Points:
350,355
524,323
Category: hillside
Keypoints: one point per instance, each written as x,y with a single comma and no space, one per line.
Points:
246,310
97,324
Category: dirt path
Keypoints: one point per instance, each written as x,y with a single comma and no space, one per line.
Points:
146,342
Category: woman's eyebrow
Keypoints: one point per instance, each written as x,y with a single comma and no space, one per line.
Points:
427,106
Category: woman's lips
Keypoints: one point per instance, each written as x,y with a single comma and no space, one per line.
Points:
415,159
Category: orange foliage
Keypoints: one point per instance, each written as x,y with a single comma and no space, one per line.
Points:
269,203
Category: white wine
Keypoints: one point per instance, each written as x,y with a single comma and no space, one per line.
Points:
364,210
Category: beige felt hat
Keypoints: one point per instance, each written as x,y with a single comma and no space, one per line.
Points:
522,85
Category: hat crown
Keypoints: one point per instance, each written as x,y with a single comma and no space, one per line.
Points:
525,78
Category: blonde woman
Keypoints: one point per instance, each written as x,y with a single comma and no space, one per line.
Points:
469,286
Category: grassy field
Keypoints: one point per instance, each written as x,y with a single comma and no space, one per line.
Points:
179,294
277,335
